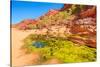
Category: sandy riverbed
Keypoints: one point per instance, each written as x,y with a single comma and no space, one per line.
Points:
19,58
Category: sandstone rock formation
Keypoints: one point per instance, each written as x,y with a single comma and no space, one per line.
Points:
24,24
52,12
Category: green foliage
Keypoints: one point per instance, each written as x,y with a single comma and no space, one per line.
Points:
76,9
76,54
60,48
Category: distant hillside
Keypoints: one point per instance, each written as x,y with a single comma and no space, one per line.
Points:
67,13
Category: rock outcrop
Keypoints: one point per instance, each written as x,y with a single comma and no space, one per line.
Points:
65,7
88,13
52,12
84,41
24,24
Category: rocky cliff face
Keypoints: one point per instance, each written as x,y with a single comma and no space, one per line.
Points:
91,12
60,23
86,11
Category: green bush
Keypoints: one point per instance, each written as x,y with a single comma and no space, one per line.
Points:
60,48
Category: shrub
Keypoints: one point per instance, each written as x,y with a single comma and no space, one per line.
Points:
60,48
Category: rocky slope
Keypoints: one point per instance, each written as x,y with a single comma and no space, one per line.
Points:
71,19
25,24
